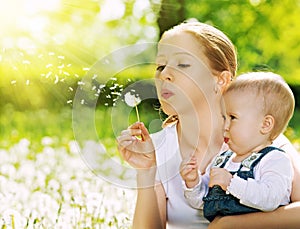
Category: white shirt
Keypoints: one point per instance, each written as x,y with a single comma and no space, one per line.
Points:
179,213
168,158
270,188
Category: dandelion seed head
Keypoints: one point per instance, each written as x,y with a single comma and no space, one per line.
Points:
132,100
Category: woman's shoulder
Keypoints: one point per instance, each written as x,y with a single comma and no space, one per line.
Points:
167,130
282,142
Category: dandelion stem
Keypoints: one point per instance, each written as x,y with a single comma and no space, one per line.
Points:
137,113
12,221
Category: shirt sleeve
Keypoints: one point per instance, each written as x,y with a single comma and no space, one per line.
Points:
271,186
195,195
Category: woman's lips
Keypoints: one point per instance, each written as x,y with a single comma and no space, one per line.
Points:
226,139
165,93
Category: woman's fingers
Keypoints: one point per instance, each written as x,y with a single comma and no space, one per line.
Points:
144,132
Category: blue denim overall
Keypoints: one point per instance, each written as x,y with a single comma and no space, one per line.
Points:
217,202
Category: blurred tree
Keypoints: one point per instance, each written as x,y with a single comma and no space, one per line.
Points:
52,44
171,13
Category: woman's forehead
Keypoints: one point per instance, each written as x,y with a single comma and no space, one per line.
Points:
179,42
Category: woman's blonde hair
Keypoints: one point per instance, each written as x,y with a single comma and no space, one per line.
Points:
216,46
277,97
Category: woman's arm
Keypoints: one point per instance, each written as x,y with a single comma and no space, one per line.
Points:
150,210
283,217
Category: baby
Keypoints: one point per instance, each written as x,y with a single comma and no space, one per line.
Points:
253,175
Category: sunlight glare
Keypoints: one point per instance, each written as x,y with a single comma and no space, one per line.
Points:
109,13
17,16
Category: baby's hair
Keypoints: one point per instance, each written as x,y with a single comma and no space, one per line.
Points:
278,98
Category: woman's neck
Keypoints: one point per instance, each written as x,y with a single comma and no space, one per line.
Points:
201,135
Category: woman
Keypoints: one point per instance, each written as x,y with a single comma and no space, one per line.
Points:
195,64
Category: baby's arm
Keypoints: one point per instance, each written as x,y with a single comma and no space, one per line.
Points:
271,187
195,185
189,172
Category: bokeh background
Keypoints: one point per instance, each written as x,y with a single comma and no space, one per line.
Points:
48,47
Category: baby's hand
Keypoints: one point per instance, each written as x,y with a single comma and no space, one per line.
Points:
219,176
189,172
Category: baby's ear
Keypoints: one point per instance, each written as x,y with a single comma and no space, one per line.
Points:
268,124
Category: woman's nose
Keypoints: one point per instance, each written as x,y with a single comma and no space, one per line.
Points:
166,74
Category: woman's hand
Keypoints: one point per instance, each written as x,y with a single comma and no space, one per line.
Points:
136,147
219,176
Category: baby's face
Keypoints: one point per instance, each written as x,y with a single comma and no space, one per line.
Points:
244,118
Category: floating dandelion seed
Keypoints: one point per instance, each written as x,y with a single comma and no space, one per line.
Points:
13,82
48,74
27,82
69,101
26,62
56,79
133,100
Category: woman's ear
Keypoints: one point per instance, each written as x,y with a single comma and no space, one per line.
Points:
223,80
268,124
